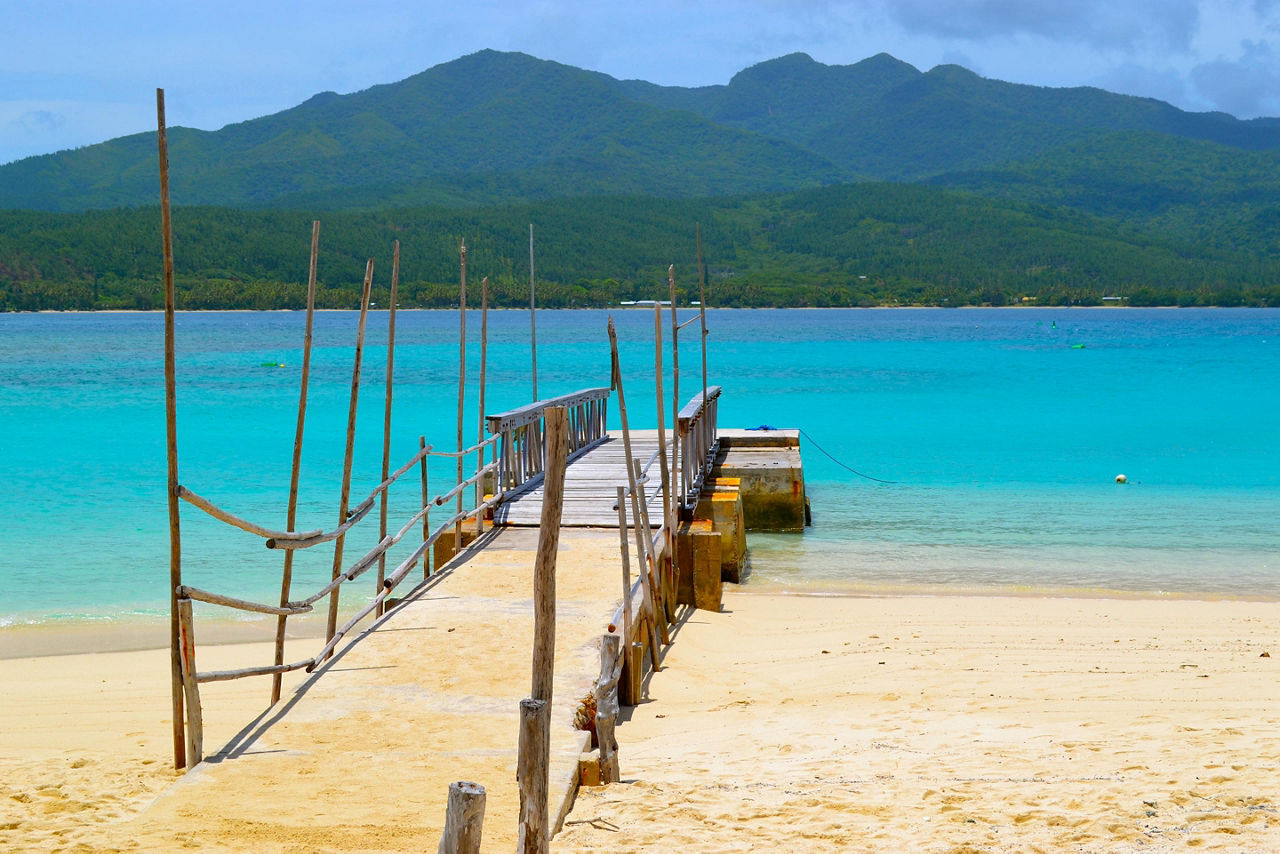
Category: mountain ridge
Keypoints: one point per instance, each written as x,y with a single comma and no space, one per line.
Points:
509,123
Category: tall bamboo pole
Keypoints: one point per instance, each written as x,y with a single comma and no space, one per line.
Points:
426,509
171,433
286,577
675,399
659,567
462,383
702,311
386,419
637,494
484,352
533,319
345,497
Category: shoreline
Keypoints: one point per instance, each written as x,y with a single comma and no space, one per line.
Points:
62,637
454,309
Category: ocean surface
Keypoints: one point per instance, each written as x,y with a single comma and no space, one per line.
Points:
945,450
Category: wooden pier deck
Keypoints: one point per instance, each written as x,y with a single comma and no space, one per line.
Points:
590,487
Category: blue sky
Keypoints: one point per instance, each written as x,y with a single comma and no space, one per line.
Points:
75,72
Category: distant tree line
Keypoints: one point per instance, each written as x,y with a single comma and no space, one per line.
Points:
850,245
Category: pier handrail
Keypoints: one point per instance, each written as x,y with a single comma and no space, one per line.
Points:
697,429
186,594
519,433
299,539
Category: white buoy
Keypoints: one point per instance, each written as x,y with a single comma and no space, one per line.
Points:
1121,479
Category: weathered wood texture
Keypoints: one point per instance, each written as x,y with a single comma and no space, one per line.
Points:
590,490
607,706
463,820
295,471
531,774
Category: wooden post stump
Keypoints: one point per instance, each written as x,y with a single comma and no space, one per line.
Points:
463,819
531,773
607,707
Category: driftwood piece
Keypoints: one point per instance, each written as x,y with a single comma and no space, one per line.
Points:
463,819
531,774
199,595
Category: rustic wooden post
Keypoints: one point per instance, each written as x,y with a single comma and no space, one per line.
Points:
544,577
533,319
463,819
345,497
426,507
626,564
535,712
171,432
532,776
462,382
633,488
649,569
386,422
607,707
291,514
190,688
702,311
484,349
659,562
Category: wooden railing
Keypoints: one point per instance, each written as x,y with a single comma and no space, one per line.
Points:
295,540
520,433
697,440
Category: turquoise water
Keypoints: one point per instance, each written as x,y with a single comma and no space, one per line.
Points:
1002,431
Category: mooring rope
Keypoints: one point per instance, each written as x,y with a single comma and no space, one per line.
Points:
842,465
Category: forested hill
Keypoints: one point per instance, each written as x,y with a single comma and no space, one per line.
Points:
861,184
865,244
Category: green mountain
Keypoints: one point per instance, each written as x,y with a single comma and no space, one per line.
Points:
484,128
496,127
824,185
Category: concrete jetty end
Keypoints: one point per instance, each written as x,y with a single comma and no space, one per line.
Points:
770,475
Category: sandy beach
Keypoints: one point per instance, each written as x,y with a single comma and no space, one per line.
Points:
802,722
952,724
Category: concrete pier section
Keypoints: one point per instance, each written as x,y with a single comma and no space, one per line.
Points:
770,475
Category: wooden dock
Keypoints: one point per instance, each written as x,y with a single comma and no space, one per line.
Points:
590,486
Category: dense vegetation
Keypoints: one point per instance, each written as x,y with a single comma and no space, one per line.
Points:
866,244
1004,193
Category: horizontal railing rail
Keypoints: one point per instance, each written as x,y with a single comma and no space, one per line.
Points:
698,441
519,434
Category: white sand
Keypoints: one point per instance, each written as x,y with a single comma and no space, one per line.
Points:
798,723
952,724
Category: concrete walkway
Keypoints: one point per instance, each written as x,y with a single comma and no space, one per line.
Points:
360,756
